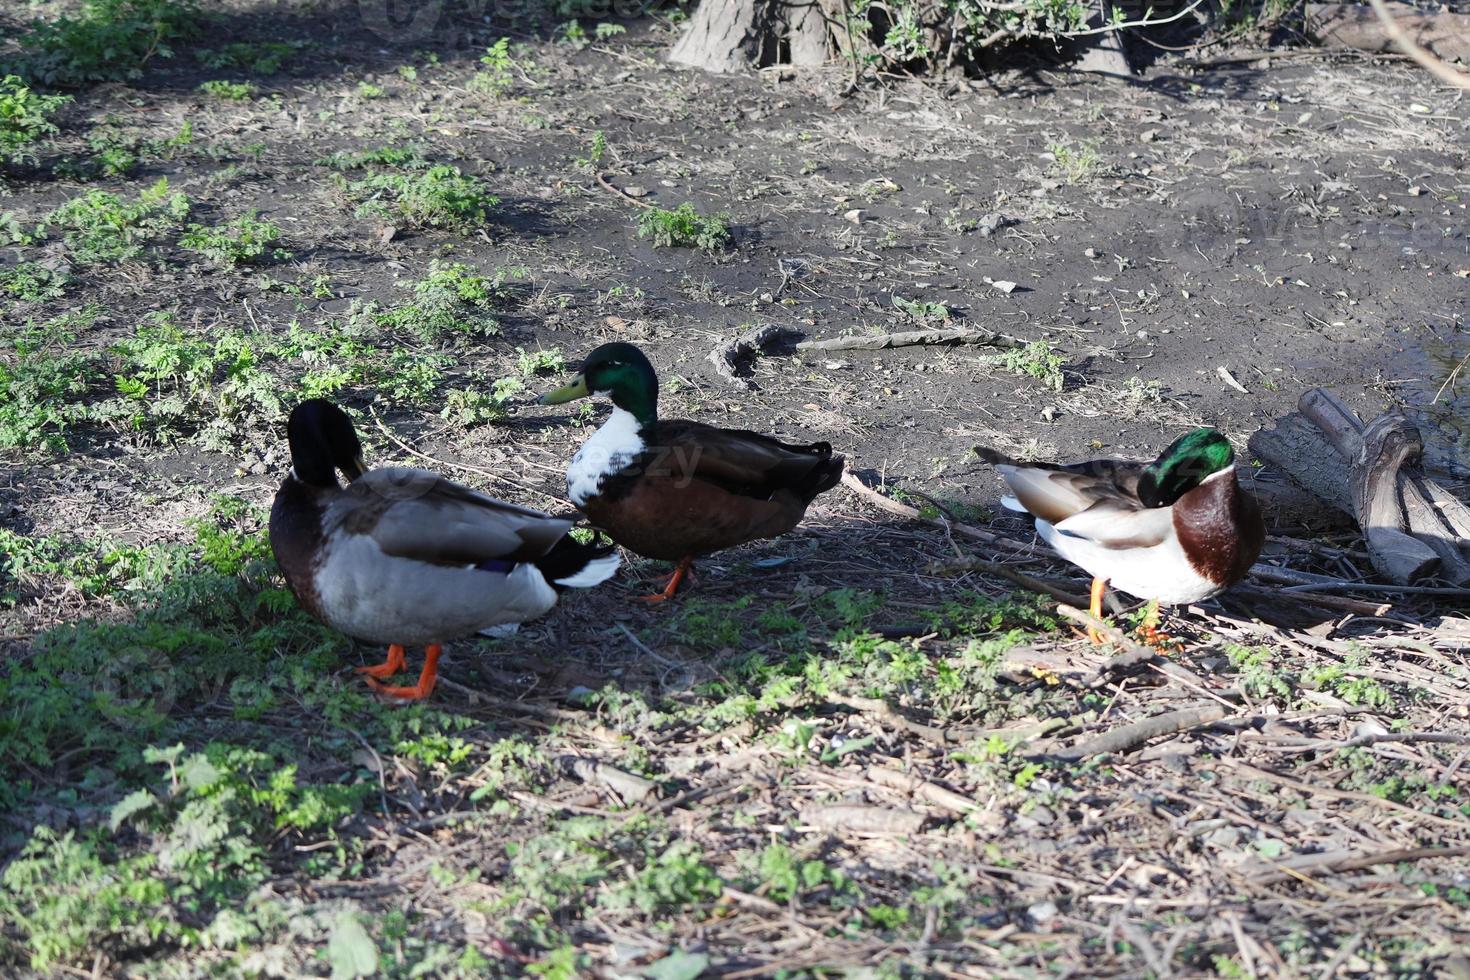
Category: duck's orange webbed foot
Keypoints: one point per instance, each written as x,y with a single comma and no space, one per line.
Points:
672,585
423,688
387,668
1099,588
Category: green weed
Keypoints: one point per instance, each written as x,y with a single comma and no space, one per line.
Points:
439,197
107,40
102,227
1074,164
115,154
1038,360
685,227
454,299
921,312
229,91
25,119
241,240
43,379
30,282
256,57
498,74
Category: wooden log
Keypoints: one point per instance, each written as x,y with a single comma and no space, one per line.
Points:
1351,25
1305,455
1440,521
1337,422
1388,444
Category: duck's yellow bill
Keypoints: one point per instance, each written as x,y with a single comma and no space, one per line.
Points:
569,393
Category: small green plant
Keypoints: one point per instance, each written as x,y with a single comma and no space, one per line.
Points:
608,30
1038,360
439,197
685,227
257,57
1259,675
43,378
921,312
33,283
497,77
114,154
367,90
453,299
102,227
25,119
229,91
571,33
1074,164
241,240
596,149
106,40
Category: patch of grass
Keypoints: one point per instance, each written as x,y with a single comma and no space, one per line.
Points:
1038,360
31,282
1260,676
25,118
1074,164
102,227
107,40
407,157
241,240
684,227
439,197
228,91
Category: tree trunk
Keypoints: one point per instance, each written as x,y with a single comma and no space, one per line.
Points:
735,35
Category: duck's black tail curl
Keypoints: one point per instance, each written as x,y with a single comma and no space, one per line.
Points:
570,564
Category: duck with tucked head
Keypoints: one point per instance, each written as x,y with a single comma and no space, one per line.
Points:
673,489
1176,530
404,557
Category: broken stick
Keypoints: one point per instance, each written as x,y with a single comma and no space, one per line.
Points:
909,338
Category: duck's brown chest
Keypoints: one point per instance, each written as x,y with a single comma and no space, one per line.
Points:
297,541
1220,529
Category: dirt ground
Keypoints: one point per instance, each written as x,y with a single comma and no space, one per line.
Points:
843,752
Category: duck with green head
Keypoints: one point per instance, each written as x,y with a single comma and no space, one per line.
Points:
675,489
1176,530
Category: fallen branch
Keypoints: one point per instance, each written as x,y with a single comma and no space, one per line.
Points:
1020,578
729,356
622,195
909,338
632,789
1337,861
1131,736
894,717
858,819
946,799
857,486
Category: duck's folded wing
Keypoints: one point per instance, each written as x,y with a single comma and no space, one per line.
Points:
416,514
740,461
1119,523
1055,493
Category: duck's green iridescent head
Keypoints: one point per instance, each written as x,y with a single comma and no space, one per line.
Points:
1192,458
619,371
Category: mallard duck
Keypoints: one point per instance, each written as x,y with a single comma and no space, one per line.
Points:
1177,530
676,490
403,557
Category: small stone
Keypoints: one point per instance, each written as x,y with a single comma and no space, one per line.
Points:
1042,912
767,298
636,191
1142,335
1049,413
991,223
856,215
1091,252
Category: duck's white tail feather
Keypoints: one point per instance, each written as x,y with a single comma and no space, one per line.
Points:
595,572
1011,503
504,629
